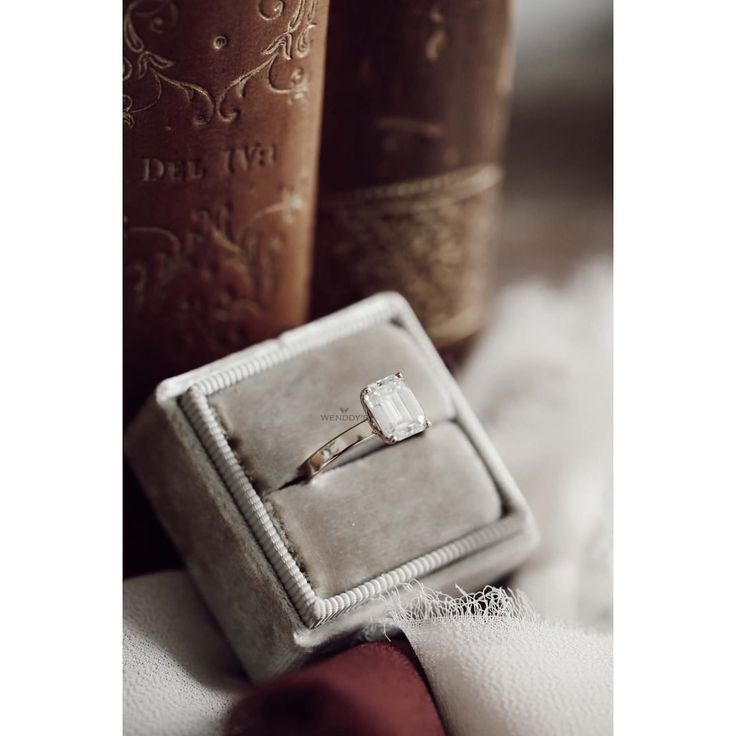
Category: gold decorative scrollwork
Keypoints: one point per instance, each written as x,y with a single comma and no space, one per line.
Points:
139,62
160,15
211,261
293,43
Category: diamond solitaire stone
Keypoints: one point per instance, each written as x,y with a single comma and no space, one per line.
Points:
393,409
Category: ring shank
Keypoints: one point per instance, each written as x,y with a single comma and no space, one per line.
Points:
336,447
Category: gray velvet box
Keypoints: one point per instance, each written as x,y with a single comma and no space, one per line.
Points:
292,568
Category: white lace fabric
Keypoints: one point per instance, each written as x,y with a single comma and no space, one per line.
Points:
497,668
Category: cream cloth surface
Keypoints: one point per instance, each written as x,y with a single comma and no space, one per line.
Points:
497,668
180,677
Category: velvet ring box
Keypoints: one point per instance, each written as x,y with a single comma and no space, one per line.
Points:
294,568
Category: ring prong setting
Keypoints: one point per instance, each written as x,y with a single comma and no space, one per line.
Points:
392,409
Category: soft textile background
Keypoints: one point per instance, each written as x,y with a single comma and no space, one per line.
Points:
497,667
541,383
180,676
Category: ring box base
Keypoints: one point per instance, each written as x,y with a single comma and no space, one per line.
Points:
291,568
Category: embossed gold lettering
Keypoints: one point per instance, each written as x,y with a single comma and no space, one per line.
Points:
180,170
195,170
153,169
249,156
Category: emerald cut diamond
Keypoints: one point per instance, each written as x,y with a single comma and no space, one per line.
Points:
392,408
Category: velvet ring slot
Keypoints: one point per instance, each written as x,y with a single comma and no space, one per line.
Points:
292,568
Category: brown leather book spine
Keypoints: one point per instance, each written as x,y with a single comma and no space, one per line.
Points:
416,100
222,102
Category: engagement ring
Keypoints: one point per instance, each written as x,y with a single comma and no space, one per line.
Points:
393,414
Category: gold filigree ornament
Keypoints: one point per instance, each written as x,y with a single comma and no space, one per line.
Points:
162,267
159,16
140,63
293,43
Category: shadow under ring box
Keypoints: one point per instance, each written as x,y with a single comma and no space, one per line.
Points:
294,568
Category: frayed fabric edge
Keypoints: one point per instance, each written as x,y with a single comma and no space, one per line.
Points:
415,603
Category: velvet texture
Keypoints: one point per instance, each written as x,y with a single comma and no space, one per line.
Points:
276,418
379,517
414,497
376,511
374,689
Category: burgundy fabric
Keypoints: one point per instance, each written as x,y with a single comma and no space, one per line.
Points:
375,689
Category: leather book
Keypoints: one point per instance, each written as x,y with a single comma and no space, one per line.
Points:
222,103
416,100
